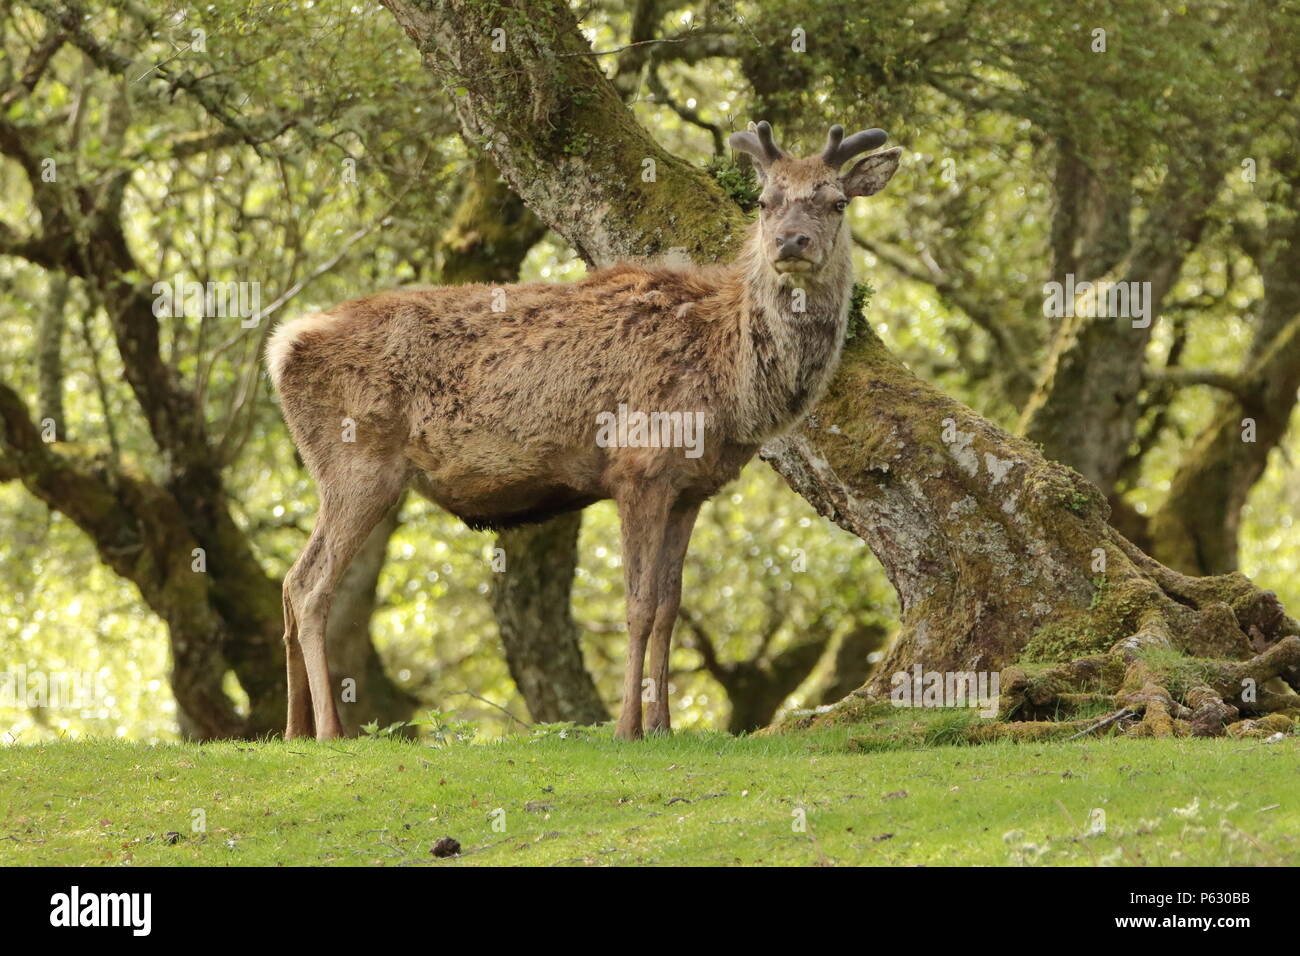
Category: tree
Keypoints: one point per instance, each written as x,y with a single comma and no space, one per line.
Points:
1196,529
158,508
996,552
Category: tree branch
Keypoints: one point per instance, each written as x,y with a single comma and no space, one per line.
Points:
1234,385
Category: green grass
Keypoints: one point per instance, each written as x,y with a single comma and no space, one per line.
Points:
583,798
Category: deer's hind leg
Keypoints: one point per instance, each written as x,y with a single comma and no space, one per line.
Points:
301,722
354,496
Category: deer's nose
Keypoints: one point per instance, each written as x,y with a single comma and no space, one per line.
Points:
790,245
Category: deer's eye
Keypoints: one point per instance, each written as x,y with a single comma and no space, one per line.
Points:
841,205
762,204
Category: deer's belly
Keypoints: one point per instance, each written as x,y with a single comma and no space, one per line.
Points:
496,504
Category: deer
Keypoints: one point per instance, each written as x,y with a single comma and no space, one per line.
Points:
490,402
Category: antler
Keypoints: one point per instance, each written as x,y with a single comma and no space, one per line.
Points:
758,142
839,150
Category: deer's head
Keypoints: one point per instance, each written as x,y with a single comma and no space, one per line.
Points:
802,204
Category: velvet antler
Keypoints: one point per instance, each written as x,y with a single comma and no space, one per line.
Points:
840,150
758,142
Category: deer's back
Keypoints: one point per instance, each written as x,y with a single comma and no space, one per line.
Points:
495,391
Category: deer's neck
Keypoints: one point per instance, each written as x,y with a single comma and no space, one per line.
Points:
791,332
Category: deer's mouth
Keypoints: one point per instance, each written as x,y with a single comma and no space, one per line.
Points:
787,266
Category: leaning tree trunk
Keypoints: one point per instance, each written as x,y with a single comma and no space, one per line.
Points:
997,554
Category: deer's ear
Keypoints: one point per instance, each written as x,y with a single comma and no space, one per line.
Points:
870,174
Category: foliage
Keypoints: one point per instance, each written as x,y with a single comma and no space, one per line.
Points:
736,182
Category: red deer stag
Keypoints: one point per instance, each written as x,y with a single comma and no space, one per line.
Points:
499,404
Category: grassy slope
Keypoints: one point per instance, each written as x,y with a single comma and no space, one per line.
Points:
690,799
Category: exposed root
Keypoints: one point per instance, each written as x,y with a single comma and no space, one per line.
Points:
1146,676
1281,660
1272,702
1263,727
1210,715
1221,616
1156,720
1188,657
1062,690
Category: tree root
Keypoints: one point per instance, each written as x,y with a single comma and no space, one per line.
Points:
1280,660
1144,677
1263,727
1210,714
1200,657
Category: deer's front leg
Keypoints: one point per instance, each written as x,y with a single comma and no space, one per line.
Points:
644,515
671,558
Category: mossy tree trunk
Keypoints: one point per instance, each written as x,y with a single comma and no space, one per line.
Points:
561,135
996,552
531,602
491,232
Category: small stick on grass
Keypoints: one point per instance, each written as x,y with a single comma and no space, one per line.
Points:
522,723
1106,722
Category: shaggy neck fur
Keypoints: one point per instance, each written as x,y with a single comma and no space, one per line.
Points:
789,337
